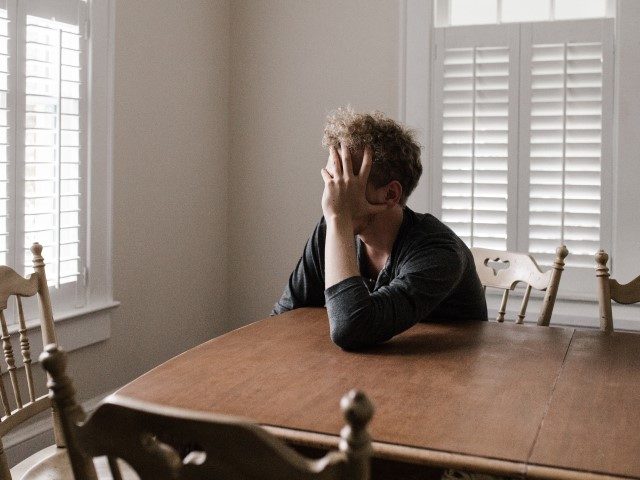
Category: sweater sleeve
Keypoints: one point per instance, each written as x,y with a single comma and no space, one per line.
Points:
359,319
306,283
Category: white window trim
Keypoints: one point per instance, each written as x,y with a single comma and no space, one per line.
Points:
89,324
415,107
442,13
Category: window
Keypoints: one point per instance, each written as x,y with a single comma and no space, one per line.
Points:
43,155
46,63
480,12
522,135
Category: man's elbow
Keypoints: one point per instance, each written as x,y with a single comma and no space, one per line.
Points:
344,339
351,334
350,328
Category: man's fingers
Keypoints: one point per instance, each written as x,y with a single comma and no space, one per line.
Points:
347,165
335,158
367,161
329,165
326,176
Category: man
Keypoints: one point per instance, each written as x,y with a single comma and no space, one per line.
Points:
378,266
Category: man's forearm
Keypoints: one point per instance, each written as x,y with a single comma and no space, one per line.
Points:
340,261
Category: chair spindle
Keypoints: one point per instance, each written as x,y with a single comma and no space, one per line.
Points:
9,358
550,296
523,305
503,306
48,332
4,399
604,291
26,350
114,468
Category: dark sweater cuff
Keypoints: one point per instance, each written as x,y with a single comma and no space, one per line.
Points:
347,286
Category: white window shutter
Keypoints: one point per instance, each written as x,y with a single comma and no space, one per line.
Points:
475,132
565,127
4,135
43,140
52,145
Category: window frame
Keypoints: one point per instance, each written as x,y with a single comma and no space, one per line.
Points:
416,110
511,36
87,322
442,17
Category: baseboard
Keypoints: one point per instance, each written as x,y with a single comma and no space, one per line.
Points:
32,437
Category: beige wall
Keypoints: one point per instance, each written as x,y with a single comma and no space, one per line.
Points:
170,187
178,165
291,63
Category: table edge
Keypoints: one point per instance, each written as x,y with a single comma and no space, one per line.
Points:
414,455
543,472
443,459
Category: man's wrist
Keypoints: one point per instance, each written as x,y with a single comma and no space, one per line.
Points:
339,222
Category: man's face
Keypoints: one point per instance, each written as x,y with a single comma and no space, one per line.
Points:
373,195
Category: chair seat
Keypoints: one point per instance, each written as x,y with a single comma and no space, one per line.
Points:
52,463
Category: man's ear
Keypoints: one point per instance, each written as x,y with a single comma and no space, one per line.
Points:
394,193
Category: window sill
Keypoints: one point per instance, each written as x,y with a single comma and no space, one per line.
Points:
76,328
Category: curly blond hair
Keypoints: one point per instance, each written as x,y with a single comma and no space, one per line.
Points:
396,154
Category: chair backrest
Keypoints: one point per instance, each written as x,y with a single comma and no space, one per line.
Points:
22,405
609,289
160,442
505,270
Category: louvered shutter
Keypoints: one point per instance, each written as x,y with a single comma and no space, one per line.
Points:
565,149
525,163
4,134
475,141
43,68
52,144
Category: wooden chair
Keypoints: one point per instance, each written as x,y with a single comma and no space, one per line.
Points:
24,404
504,270
170,443
609,289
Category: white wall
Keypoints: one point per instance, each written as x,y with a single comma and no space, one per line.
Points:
291,63
170,188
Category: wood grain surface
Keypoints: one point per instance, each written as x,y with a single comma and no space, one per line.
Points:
474,388
593,423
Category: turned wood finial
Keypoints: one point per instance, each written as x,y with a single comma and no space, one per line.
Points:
357,409
602,258
561,253
61,389
54,361
36,250
62,394
355,440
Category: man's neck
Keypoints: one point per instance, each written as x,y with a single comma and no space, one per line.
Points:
380,234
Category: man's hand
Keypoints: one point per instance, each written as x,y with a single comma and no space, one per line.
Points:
344,197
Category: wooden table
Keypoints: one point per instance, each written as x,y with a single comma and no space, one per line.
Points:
554,403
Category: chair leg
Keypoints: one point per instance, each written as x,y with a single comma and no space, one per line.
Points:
5,472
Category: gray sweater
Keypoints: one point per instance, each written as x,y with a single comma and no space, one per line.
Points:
430,275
